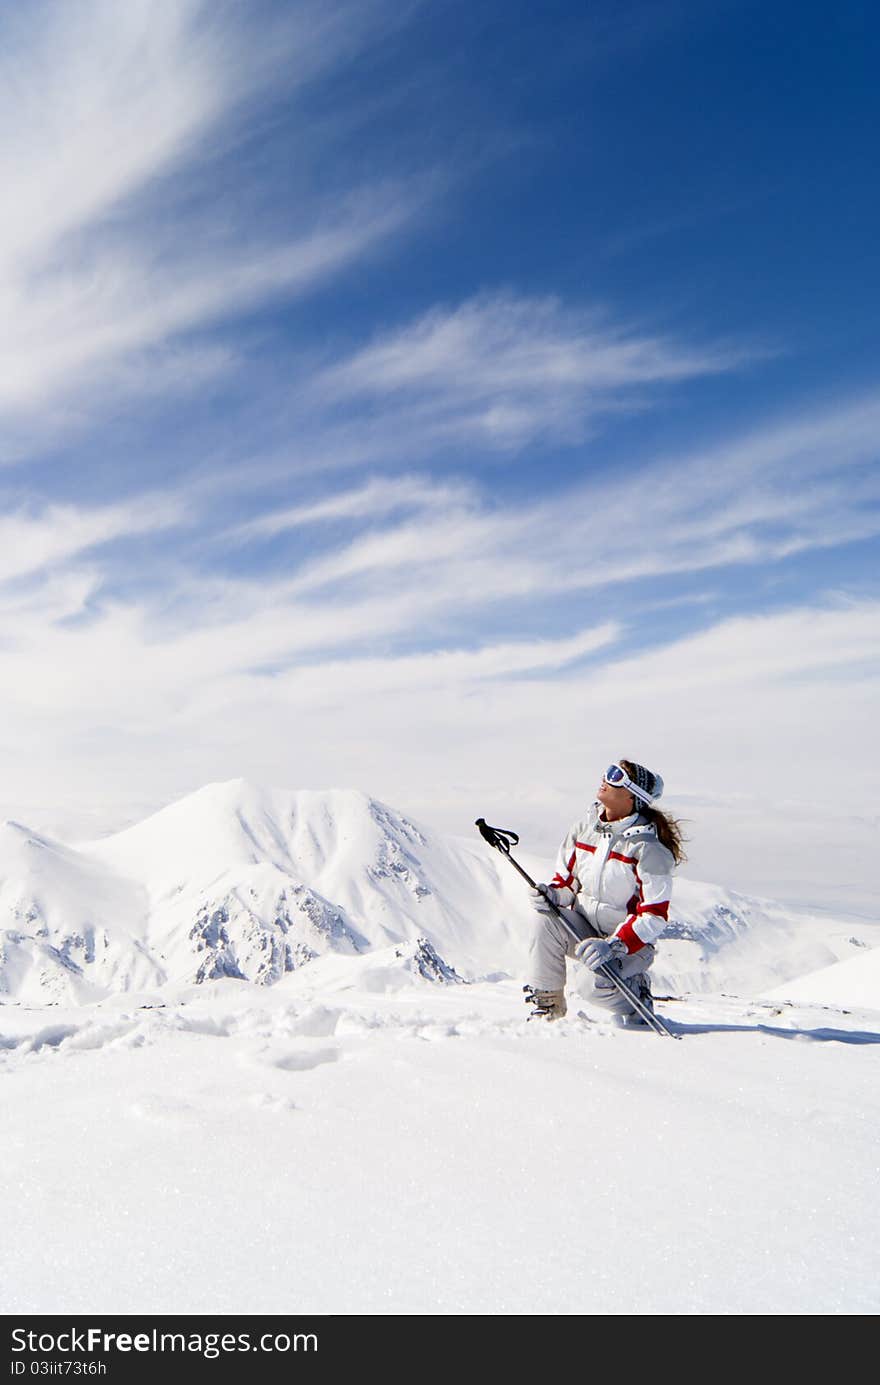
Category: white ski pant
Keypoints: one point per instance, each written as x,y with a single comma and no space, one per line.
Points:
552,944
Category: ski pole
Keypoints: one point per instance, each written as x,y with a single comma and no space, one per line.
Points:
502,839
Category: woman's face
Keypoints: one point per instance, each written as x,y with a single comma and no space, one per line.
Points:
617,802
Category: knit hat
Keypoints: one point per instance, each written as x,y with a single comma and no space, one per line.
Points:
643,783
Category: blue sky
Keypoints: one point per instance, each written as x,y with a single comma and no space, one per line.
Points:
442,399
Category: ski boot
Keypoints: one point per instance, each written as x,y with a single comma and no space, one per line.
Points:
549,1005
641,989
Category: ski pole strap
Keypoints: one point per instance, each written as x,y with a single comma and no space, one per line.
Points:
499,837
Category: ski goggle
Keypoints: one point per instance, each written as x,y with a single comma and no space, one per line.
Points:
618,778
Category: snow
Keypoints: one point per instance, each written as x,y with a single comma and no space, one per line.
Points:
378,1129
853,983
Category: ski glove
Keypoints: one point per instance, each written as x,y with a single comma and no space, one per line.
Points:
596,952
542,897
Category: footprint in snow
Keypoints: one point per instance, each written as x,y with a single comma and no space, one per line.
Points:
286,1057
268,1101
52,1036
301,1060
317,1023
158,1110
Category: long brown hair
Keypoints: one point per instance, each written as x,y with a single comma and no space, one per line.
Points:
669,829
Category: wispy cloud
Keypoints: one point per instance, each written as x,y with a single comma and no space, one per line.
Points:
428,673
414,558
106,251
99,100
62,328
379,498
501,369
789,489
44,541
413,568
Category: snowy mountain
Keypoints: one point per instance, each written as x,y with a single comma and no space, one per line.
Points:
244,882
252,883
70,928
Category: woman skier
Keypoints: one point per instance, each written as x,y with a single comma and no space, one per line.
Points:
614,870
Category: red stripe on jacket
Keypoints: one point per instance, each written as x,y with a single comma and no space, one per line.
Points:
557,883
627,933
661,910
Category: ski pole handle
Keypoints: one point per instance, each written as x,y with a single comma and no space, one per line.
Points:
502,839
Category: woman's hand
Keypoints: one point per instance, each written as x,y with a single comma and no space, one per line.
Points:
543,898
598,952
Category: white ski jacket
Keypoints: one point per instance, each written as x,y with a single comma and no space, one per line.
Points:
618,874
